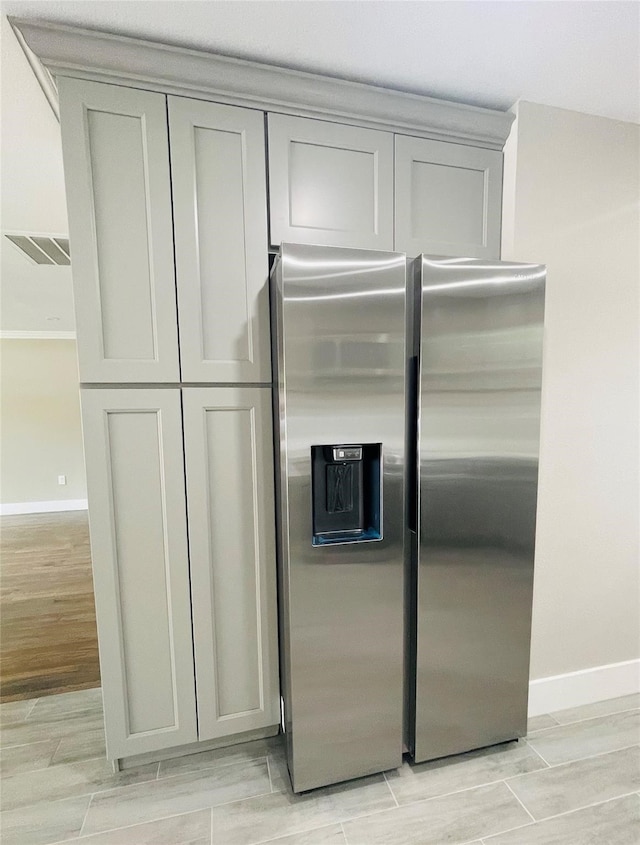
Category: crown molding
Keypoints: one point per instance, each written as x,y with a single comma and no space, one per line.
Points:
105,57
44,77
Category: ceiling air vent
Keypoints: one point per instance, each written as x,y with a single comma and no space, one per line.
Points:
42,249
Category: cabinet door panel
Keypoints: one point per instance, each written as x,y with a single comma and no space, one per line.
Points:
135,478
220,218
330,183
115,147
228,449
448,198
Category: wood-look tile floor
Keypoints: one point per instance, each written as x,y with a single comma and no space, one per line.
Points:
48,640
575,780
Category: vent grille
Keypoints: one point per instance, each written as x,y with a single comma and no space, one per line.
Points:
43,249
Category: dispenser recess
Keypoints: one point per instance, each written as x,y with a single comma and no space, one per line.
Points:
346,493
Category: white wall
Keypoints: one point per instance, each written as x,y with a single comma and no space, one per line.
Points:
34,298
40,423
571,201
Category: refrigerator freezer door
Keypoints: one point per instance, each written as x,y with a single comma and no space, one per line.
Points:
340,352
479,412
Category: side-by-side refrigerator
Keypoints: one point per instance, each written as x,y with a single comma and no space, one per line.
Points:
477,351
339,330
407,417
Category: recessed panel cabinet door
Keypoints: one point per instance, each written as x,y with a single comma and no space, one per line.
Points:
218,172
330,183
116,159
448,199
229,464
135,479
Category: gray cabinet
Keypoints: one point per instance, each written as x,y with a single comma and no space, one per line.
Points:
116,160
229,471
141,170
330,183
447,198
161,600
135,481
129,198
218,174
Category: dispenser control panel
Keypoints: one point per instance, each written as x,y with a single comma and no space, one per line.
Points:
347,453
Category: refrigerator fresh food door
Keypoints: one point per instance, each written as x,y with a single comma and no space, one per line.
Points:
480,365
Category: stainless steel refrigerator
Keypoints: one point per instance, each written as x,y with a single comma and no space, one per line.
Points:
339,331
477,354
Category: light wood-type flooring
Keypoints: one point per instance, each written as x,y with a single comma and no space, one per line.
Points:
48,640
573,781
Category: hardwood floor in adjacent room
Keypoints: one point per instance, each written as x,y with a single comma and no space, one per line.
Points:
48,640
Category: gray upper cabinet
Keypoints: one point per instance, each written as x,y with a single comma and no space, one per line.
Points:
447,198
218,172
229,470
330,183
136,488
116,160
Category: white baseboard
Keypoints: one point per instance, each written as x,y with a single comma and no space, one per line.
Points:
43,507
587,686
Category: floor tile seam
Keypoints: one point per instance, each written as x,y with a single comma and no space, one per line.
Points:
343,818
53,756
588,719
585,807
559,815
577,759
546,762
157,779
533,821
86,813
82,838
537,731
347,819
269,773
44,737
185,812
24,744
344,834
76,762
544,759
531,816
215,767
295,833
66,718
75,795
393,795
465,789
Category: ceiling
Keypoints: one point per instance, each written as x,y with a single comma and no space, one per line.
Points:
576,55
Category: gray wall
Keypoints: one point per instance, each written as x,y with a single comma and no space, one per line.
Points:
40,422
571,201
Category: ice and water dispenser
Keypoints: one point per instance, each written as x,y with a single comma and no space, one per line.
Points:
346,493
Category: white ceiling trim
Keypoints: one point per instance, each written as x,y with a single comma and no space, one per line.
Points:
123,60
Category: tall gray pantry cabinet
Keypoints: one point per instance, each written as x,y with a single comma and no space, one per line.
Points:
180,475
